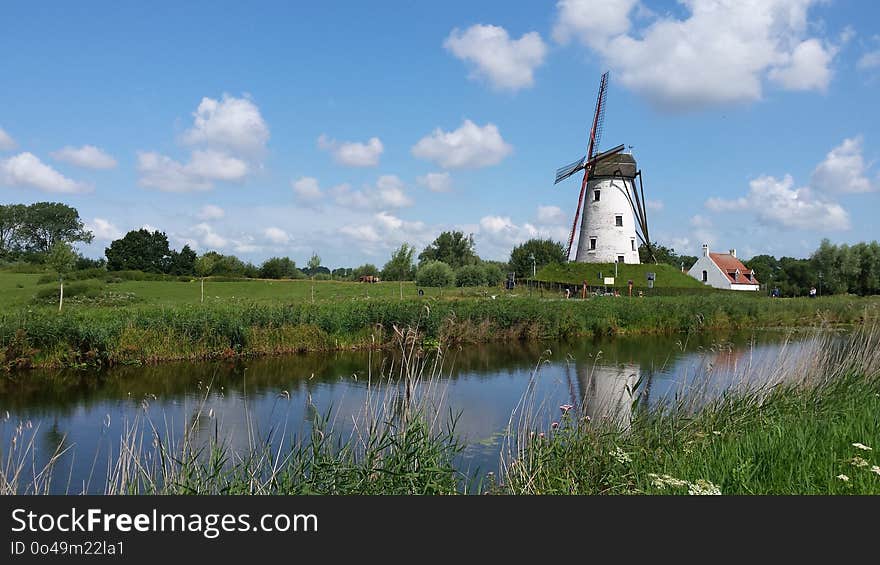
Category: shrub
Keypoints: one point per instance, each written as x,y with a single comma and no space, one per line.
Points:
470,275
435,273
494,274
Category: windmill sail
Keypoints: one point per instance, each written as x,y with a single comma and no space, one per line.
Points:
563,173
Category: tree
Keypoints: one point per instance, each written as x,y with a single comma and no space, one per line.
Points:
204,266
400,267
364,270
342,273
470,275
47,223
139,250
62,259
453,248
12,220
182,262
494,274
278,268
666,256
435,273
314,263
545,251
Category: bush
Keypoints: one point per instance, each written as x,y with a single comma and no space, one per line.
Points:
278,268
494,274
435,273
322,277
470,275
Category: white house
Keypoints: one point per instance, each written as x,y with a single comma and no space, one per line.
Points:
724,270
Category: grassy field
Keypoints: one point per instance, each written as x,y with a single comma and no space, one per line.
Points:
666,276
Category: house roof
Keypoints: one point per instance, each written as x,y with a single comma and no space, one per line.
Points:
729,265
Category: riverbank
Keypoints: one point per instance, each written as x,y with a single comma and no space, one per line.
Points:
42,337
803,428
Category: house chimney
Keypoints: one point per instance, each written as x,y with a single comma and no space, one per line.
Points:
705,250
733,252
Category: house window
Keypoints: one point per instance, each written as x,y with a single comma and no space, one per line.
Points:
596,194
705,276
620,259
618,221
632,243
592,244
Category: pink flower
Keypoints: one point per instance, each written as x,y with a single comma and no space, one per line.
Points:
554,425
565,408
541,434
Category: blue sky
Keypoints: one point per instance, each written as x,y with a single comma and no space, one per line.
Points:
349,128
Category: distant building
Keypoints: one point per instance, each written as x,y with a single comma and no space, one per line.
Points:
723,270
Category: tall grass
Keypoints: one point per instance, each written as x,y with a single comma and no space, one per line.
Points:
807,425
109,336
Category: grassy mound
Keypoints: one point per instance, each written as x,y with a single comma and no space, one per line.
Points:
666,276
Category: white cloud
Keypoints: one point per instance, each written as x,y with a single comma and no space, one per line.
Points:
26,170
720,53
468,147
497,235
551,215
229,123
776,202
436,182
87,156
809,67
165,174
364,233
843,169
307,189
6,141
870,60
205,166
104,230
353,153
211,212
216,165
207,238
276,235
507,63
388,192
656,205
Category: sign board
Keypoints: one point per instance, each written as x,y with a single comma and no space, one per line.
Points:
609,280
650,284
652,276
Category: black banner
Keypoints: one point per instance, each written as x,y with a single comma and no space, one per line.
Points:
156,529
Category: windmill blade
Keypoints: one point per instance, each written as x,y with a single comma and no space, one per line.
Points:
563,173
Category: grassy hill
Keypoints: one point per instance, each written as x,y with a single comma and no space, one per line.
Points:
667,276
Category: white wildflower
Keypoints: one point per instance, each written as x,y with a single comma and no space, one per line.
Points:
862,446
663,481
620,456
843,477
717,433
875,469
858,462
703,487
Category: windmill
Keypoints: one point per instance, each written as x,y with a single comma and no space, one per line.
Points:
609,225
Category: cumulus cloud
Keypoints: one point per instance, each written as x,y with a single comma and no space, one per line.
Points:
230,123
843,169
164,173
436,182
775,202
551,215
276,235
506,63
468,147
720,53
87,156
103,229
211,212
6,141
353,153
307,189
388,192
216,165
205,237
27,171
498,234
364,233
384,231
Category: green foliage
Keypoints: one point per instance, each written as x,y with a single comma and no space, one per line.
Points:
494,273
230,266
545,252
34,229
470,275
314,263
367,269
87,263
400,267
666,256
342,273
667,276
61,258
435,273
182,262
278,268
139,250
204,265
453,248
12,219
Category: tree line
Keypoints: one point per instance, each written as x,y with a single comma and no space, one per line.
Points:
46,232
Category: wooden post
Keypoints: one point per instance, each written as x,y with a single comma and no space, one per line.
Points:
203,289
61,296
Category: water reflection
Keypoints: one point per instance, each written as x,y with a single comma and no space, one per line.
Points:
244,401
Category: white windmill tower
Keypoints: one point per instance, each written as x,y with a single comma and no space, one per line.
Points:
614,220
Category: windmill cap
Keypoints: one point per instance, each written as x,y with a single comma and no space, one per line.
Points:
623,162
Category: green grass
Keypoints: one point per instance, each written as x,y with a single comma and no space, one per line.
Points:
667,276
